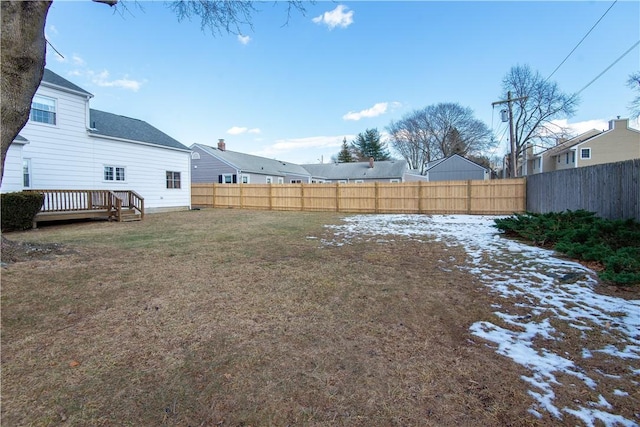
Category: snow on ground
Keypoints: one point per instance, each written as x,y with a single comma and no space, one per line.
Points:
546,286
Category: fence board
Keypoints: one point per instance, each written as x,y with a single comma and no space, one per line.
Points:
496,197
610,190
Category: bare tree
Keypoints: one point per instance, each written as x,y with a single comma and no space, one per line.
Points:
634,84
537,103
456,131
23,48
438,131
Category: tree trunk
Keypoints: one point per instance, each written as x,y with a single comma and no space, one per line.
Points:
22,58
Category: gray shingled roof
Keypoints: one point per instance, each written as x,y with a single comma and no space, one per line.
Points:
255,164
21,139
113,125
387,169
566,145
52,78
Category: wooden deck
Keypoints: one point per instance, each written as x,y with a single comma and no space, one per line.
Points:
59,205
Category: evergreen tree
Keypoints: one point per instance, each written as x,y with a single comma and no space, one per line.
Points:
367,144
344,156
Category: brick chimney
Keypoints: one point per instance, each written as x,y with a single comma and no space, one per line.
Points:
371,162
221,145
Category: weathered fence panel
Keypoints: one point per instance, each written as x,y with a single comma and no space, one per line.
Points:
610,190
498,197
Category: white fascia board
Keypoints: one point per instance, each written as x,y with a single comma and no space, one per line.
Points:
131,141
66,89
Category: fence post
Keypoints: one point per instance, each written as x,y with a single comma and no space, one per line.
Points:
213,195
241,195
337,197
301,196
377,196
468,196
421,200
270,196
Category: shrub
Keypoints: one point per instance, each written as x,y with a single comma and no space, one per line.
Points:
19,209
584,236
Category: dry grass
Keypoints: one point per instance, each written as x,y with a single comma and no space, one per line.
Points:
237,318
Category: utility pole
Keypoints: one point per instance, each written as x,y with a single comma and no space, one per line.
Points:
512,139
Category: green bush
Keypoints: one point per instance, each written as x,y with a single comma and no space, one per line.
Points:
582,235
19,209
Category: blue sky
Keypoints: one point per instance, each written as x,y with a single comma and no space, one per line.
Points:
294,91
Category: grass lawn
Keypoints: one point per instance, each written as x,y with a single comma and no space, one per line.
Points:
243,318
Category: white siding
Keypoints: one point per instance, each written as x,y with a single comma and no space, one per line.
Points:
12,173
64,156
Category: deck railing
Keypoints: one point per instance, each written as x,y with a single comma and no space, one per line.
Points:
90,201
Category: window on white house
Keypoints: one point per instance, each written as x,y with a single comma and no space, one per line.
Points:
43,110
296,181
573,157
342,181
26,173
280,180
227,179
566,158
585,153
114,173
173,179
394,180
359,181
244,179
269,180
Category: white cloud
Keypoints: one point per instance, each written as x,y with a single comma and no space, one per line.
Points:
244,39
338,17
237,130
77,60
377,110
581,127
102,79
294,144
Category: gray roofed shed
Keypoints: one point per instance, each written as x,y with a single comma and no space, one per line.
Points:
115,126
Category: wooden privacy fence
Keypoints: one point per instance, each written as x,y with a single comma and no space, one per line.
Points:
611,190
496,197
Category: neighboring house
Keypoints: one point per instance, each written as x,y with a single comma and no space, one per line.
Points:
358,172
617,144
211,164
66,145
452,168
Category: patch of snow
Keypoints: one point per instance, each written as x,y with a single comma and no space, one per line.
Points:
548,287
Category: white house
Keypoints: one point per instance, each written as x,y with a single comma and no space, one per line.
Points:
66,145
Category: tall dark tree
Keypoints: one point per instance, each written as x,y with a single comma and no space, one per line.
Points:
538,102
23,48
439,131
368,144
634,84
344,156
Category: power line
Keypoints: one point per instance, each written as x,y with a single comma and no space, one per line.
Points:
609,67
580,42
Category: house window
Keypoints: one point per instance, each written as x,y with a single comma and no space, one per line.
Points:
113,173
359,181
296,181
195,156
26,173
394,180
280,180
43,110
269,180
173,179
585,153
573,157
342,181
244,179
227,179
566,158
